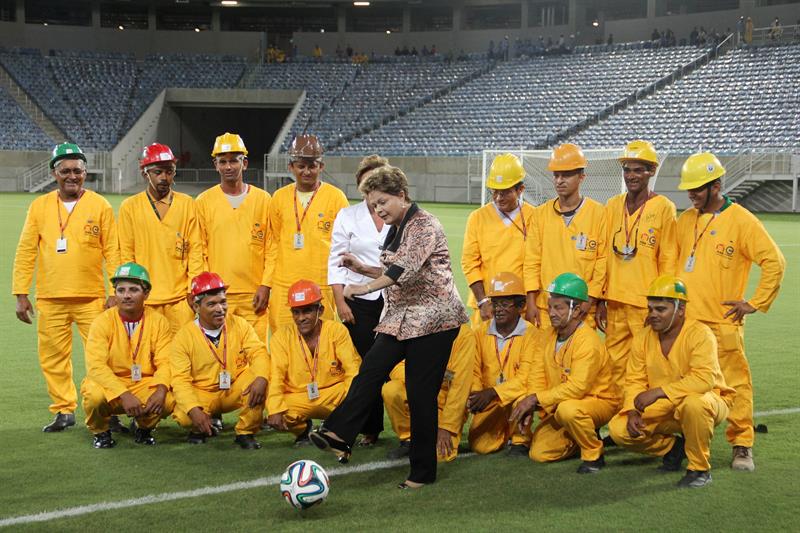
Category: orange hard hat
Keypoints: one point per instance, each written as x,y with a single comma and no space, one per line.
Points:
205,282
303,293
505,284
156,153
565,157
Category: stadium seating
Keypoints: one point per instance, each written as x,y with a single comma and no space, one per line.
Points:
17,130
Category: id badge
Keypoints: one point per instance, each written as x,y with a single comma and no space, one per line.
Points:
224,380
61,246
449,375
299,241
500,379
580,242
313,390
136,372
689,266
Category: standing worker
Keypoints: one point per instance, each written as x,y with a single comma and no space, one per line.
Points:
67,236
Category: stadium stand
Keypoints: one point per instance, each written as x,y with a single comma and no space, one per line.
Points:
17,130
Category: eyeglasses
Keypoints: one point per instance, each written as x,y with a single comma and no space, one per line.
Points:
503,303
627,251
67,172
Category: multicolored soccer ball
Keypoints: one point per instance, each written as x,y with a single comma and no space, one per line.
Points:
304,484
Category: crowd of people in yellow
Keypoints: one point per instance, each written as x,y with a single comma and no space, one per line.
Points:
228,302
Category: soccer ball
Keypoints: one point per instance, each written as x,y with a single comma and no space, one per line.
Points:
304,484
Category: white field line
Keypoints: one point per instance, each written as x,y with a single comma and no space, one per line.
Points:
773,412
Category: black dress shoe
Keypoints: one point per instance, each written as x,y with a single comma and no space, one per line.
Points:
302,439
694,479
216,424
518,450
104,440
144,436
401,451
321,440
247,442
592,467
115,426
671,462
61,422
196,438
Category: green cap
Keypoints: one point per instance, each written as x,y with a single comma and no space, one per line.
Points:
132,272
570,285
66,151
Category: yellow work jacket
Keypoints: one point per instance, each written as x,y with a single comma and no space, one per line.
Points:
732,242
311,261
236,241
292,363
690,367
170,249
91,236
110,353
517,355
194,365
652,231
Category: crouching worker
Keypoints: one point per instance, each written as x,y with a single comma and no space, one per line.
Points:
569,383
127,361
313,362
452,398
218,365
673,385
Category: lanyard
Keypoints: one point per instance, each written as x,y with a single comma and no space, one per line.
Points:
508,353
63,226
563,350
698,237
224,360
299,220
629,232
315,357
138,341
524,228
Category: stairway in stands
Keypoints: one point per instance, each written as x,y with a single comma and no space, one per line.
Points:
30,107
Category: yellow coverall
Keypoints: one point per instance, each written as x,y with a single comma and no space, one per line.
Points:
452,398
109,360
293,368
236,246
196,373
575,394
697,396
652,231
169,248
490,429
309,261
491,246
69,285
728,244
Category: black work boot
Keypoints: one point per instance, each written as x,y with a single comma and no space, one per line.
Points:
247,442
302,439
61,422
115,426
671,462
592,467
104,440
144,436
196,438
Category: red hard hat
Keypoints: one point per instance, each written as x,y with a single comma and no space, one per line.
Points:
303,293
156,153
207,281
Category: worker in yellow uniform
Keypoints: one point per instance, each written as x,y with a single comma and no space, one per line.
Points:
67,237
158,228
506,348
718,241
301,216
495,237
234,229
642,238
569,383
127,362
312,363
218,365
673,385
452,399
570,236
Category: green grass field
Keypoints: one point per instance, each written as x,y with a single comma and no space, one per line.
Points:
47,472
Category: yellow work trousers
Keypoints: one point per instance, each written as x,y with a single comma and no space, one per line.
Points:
624,321
695,417
396,402
490,430
300,409
736,370
225,401
54,328
242,305
281,315
99,409
178,313
571,428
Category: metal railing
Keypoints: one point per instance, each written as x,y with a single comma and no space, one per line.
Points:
771,35
762,162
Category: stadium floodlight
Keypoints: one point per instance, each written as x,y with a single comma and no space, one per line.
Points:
361,4
229,3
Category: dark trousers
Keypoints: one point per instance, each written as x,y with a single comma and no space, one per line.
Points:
367,314
426,360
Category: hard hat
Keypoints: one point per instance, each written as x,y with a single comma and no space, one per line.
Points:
570,285
639,151
305,147
205,282
132,272
667,286
565,157
506,284
506,171
700,169
303,293
156,153
228,143
66,150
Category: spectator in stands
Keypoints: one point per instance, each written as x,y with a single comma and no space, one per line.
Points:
748,30
797,30
740,29
694,36
414,51
504,49
562,43
549,44
406,51
340,52
655,36
349,51
775,29
610,39
702,37
433,50
425,52
398,51
317,53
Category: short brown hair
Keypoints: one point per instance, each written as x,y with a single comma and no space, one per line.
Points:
387,179
371,162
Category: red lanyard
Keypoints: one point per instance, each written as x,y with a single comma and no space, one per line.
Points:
524,228
297,218
63,226
224,360
315,357
497,352
698,237
629,232
138,341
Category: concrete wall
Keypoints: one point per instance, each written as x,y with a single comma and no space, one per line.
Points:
14,163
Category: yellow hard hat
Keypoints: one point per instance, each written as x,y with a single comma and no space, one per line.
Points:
565,157
667,286
639,151
506,171
700,169
228,143
506,284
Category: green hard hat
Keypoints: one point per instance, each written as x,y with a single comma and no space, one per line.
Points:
570,285
132,272
66,151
